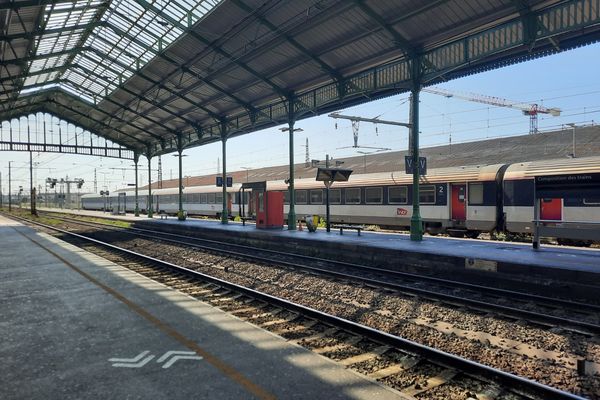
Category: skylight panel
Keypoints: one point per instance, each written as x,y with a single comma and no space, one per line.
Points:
128,33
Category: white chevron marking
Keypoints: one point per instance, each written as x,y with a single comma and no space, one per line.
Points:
137,365
176,358
130,360
172,352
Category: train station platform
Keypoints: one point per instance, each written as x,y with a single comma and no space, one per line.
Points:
74,326
568,268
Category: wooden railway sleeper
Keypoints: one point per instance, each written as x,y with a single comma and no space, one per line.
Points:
396,368
433,382
288,319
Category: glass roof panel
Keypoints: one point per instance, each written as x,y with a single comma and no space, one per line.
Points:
124,35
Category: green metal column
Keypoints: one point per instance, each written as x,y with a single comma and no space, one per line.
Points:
290,129
32,193
224,213
136,160
149,205
416,224
180,215
9,187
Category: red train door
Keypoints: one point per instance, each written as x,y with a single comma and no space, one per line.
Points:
551,209
459,205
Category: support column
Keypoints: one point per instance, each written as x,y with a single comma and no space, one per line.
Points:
180,214
31,186
416,224
327,186
149,204
9,188
136,160
292,210
224,213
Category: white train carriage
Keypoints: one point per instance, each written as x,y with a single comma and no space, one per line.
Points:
197,200
386,198
570,208
126,201
461,201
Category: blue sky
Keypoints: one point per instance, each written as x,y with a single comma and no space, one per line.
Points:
568,81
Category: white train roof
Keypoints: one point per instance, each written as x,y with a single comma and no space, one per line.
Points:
440,175
529,170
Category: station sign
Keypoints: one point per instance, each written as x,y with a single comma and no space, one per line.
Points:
220,181
572,186
408,165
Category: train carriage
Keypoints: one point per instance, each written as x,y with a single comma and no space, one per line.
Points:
459,201
386,199
197,200
519,194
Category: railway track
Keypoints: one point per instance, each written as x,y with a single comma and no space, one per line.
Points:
543,311
414,369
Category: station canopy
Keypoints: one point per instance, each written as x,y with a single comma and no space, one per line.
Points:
153,75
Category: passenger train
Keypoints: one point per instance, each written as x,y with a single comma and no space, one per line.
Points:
460,201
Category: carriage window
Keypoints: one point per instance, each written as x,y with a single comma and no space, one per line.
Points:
476,193
261,203
286,197
203,198
335,196
316,197
219,198
427,194
211,198
592,201
301,197
374,195
353,196
398,195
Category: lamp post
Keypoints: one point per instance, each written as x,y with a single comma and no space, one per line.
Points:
247,169
180,155
328,176
328,184
572,125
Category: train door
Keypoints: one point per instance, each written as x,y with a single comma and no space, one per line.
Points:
551,209
459,204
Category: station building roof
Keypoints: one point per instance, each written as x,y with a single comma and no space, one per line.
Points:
507,150
155,75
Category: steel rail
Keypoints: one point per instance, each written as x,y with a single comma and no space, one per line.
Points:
535,317
441,281
446,359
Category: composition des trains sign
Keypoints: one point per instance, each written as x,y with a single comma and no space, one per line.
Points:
574,186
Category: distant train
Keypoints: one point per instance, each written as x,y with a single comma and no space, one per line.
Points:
460,201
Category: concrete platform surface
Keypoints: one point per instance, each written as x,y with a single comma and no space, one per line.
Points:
75,326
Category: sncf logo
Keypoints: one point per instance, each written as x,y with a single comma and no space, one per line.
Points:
401,211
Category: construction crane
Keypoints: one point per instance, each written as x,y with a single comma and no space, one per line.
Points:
531,110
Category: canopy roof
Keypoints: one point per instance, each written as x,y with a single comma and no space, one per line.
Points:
153,75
